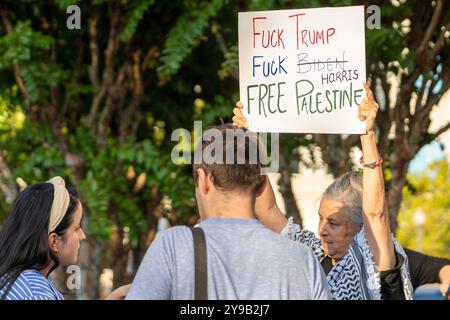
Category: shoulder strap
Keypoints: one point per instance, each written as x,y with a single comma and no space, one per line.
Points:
201,266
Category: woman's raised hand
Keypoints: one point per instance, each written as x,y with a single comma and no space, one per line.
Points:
368,109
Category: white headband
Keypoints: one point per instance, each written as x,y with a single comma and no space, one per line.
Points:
60,203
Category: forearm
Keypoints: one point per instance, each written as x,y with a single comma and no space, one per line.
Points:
375,213
120,293
267,210
275,220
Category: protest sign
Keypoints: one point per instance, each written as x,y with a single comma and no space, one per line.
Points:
302,70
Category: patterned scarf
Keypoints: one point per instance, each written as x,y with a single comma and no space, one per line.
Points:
355,276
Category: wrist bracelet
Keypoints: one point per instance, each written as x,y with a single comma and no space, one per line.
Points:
371,165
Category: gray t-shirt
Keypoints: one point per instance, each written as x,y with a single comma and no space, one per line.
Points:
245,261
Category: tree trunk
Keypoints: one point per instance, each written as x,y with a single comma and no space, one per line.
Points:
285,185
91,266
7,185
152,211
139,251
400,160
335,151
119,250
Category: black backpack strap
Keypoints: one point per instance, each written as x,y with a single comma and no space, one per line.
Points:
201,266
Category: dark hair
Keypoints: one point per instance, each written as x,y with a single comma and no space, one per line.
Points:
24,235
240,147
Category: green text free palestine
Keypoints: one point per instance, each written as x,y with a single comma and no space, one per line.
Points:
266,99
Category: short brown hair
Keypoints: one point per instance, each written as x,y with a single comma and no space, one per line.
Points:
243,173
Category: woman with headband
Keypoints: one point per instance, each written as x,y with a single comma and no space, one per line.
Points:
42,232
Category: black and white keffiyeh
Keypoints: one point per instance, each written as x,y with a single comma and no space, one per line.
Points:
355,276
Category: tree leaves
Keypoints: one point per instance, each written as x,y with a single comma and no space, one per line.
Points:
28,48
23,44
185,36
135,15
432,195
97,195
63,4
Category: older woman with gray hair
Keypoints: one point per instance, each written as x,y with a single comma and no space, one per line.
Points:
355,247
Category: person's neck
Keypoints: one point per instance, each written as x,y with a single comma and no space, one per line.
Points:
45,271
238,207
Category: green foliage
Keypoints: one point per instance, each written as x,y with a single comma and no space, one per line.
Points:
23,44
135,15
231,63
336,3
431,194
63,4
385,44
185,36
96,196
257,5
39,76
26,47
388,44
11,116
261,5
98,2
219,108
149,162
74,90
34,153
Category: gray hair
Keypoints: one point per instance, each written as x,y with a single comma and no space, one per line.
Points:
348,189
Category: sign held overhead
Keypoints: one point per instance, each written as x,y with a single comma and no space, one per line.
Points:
302,70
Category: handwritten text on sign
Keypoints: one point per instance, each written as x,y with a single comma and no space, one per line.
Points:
302,70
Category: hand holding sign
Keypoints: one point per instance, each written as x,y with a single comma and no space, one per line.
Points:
239,120
368,109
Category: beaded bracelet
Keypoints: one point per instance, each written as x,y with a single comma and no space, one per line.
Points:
371,165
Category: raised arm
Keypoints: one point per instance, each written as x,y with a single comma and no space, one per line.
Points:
266,208
375,212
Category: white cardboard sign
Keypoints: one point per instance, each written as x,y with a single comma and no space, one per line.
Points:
302,70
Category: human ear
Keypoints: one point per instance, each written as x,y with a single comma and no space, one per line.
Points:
203,181
262,187
52,237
